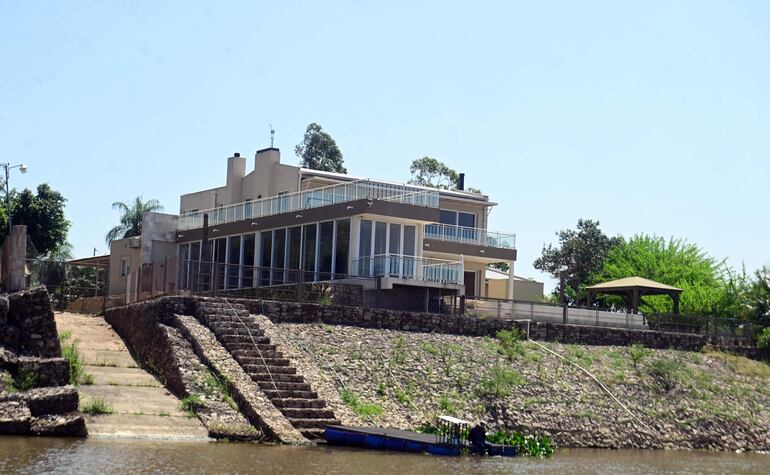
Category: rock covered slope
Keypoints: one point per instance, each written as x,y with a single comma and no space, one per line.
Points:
34,396
698,400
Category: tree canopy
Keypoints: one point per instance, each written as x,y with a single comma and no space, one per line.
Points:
319,151
131,216
427,171
673,262
580,253
43,214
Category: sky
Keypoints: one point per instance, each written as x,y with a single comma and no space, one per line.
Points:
651,117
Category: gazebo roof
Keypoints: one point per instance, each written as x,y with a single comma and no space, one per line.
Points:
632,282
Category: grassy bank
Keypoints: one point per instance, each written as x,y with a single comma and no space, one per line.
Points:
706,399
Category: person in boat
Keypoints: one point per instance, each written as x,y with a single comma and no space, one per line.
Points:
478,439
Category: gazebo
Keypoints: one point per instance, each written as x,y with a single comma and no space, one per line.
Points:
632,289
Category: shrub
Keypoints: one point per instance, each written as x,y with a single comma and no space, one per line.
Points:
763,340
78,374
665,372
509,343
190,404
96,406
638,352
363,409
499,382
532,445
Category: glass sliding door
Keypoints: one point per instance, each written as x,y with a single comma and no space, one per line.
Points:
325,249
410,244
380,237
247,271
365,248
195,257
342,249
309,252
233,262
394,249
265,257
279,254
294,247
220,258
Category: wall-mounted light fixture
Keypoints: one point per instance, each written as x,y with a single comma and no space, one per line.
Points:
369,203
179,236
215,230
253,223
482,251
298,216
349,207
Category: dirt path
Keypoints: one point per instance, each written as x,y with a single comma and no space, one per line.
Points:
142,407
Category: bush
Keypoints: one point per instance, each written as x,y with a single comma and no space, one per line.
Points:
499,382
96,406
69,351
638,352
763,340
532,445
363,409
190,404
509,343
665,372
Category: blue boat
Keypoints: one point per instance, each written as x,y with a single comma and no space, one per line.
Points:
448,441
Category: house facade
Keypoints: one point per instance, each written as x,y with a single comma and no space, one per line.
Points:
278,224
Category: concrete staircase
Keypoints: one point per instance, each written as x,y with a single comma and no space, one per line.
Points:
241,335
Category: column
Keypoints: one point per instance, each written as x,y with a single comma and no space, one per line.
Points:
509,289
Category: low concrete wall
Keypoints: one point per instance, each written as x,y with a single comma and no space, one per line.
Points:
90,305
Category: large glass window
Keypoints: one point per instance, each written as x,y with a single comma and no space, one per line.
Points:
295,247
325,248
220,247
265,255
342,248
233,262
308,255
409,264
394,249
364,247
247,275
447,217
379,247
195,265
466,219
279,254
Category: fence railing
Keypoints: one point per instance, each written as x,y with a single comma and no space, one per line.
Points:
315,198
409,267
595,317
465,235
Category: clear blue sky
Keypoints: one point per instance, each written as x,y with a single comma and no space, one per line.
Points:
652,117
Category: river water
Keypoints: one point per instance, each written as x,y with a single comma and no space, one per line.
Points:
26,455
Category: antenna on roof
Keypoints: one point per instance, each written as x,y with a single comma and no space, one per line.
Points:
272,135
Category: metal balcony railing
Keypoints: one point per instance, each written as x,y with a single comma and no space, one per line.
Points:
477,236
315,198
409,267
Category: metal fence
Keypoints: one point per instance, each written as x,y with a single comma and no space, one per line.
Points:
314,198
466,235
67,283
595,317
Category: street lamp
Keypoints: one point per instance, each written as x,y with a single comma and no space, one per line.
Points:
8,167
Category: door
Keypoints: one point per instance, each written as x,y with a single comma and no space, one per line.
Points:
469,279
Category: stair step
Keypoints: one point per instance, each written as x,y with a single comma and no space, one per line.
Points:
249,347
270,360
315,435
277,377
236,339
311,413
262,369
283,385
289,394
299,403
245,356
313,423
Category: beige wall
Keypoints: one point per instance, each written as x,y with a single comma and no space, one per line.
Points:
268,178
524,290
118,250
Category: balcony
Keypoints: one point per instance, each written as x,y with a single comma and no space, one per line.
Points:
409,267
473,236
315,198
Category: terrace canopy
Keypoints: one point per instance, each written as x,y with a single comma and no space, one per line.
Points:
632,289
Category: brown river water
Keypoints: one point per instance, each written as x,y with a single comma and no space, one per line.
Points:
102,456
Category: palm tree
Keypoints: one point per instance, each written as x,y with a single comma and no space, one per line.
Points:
131,218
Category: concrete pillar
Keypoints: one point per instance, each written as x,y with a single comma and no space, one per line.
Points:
509,288
15,259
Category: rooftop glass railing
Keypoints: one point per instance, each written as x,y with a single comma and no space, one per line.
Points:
464,235
314,198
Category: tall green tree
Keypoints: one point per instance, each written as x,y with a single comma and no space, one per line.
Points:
580,253
758,297
673,262
428,171
319,151
131,216
43,214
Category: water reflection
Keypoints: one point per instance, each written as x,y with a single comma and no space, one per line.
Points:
54,455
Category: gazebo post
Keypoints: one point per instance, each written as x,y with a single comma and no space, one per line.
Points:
675,297
635,300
